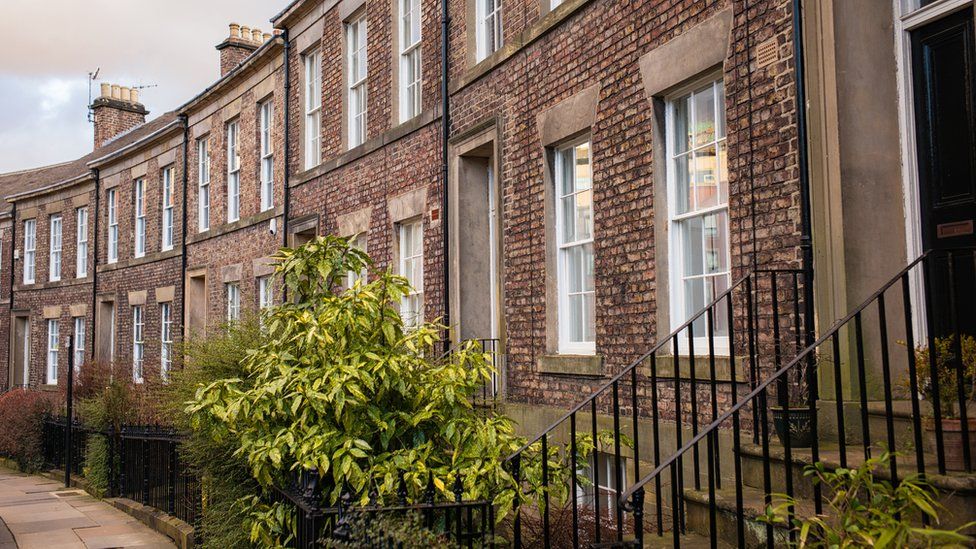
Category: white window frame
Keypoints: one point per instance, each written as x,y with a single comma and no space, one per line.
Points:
233,292
54,252
488,27
140,218
203,184
356,75
605,490
411,62
81,242
266,116
168,216
233,171
53,347
265,292
165,339
567,345
113,225
138,343
79,343
30,250
678,303
412,306
312,62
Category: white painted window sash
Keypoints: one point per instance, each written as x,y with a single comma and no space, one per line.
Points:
267,156
138,344
357,70
81,243
233,173
54,255
168,215
203,202
30,250
140,211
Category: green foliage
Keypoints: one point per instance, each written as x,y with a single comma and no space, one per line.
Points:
96,469
945,351
404,530
866,512
333,382
339,386
209,449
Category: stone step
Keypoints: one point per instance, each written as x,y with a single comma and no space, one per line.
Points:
753,506
957,491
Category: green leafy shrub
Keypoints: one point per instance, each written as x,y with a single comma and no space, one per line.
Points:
403,530
339,386
21,415
866,512
209,449
945,349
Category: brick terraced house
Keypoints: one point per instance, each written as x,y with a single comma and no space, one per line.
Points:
569,180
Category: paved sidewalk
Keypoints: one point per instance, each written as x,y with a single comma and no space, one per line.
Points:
41,513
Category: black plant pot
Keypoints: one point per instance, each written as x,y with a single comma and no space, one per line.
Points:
800,424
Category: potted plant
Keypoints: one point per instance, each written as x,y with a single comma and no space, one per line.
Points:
952,427
796,420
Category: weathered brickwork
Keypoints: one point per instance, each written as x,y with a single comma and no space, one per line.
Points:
590,49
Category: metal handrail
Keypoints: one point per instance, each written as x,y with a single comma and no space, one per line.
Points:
653,351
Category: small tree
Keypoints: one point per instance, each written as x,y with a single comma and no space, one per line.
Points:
338,386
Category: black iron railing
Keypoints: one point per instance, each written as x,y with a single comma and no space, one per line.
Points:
466,523
53,443
928,288
151,471
684,382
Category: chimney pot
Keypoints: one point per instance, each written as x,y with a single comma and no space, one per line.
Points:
106,90
245,32
256,35
126,94
116,91
235,30
134,95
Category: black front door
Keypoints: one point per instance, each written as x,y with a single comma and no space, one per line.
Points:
944,81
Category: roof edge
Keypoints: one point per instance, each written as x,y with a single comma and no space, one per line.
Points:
135,144
48,188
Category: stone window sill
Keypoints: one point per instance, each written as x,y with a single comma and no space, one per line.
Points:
572,365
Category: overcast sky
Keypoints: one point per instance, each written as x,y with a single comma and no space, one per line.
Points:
50,46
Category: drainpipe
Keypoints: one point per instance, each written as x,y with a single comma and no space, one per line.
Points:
94,297
445,137
13,246
806,231
186,178
286,128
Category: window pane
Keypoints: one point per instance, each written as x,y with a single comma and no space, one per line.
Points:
715,285
704,105
706,180
589,318
588,267
576,316
682,180
723,173
720,105
584,215
716,242
583,179
682,119
691,245
566,172
695,300
574,269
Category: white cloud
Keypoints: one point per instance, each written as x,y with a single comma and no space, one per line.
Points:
44,78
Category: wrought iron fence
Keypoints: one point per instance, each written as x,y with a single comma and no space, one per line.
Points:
682,384
928,289
465,523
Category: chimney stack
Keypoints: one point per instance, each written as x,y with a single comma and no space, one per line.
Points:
241,42
116,111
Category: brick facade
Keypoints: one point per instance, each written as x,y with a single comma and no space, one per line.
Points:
592,52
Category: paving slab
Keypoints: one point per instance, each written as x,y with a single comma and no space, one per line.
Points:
38,512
